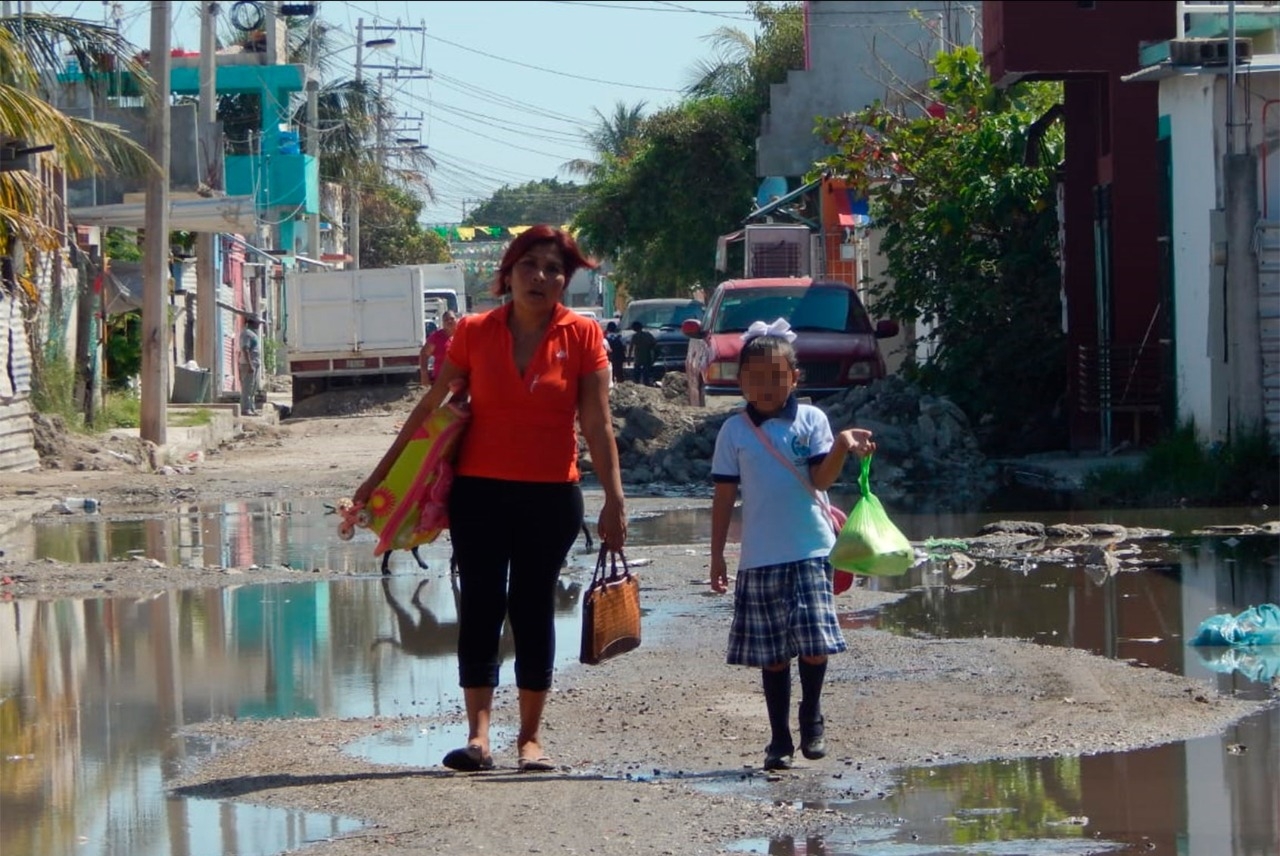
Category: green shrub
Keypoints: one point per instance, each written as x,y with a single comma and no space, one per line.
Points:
120,410
189,418
53,383
1183,470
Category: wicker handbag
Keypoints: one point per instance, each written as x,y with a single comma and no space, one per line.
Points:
610,610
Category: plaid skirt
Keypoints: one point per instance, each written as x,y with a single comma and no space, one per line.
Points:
784,611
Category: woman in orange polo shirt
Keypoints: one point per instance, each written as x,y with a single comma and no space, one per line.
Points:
531,367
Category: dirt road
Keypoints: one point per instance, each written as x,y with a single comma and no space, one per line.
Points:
636,735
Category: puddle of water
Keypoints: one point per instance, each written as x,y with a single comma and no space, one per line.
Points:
110,801
96,686
92,693
1182,798
1198,796
301,535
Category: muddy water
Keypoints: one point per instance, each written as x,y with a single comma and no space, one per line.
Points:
1216,795
92,690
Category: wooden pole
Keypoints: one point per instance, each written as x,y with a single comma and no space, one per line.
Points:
206,246
155,321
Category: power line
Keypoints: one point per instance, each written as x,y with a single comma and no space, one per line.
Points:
550,70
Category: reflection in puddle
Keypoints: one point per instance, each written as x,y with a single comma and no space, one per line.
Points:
93,692
301,535
1198,796
1172,799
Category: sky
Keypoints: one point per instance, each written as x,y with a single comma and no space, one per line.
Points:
512,84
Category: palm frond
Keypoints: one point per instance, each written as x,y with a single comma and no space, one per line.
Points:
86,146
48,42
21,195
580,166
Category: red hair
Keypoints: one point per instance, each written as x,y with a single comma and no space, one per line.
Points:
574,259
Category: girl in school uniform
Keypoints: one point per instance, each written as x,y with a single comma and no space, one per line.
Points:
780,456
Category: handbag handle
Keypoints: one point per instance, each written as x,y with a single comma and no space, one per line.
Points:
818,495
607,566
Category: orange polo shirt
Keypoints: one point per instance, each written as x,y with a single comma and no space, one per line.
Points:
522,426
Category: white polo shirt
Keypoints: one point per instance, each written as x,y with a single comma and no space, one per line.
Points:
781,520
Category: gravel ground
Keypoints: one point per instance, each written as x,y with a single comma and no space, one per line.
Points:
639,738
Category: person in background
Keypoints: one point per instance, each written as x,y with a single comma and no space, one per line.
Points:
433,350
617,351
783,601
644,353
250,366
515,508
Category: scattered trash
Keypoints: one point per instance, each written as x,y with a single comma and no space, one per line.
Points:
1257,625
77,505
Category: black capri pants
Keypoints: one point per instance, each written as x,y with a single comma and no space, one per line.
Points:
510,539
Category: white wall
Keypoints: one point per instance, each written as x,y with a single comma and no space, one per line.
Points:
1188,101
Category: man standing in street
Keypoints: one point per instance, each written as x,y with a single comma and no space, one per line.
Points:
644,348
250,366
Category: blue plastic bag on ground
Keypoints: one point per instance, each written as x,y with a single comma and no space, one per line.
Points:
1257,625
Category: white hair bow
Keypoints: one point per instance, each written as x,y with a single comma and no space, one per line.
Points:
779,328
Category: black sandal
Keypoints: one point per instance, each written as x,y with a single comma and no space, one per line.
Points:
469,759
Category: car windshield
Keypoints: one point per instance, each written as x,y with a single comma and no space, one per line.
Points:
657,316
816,308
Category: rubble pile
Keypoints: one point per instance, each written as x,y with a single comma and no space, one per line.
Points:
927,455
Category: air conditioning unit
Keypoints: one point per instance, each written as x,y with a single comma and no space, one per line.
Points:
777,250
1195,52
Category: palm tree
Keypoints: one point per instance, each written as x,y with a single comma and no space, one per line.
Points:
728,73
744,66
614,138
33,50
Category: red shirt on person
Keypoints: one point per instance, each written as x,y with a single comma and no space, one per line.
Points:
523,426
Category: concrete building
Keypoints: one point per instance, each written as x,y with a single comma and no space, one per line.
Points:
856,52
1222,183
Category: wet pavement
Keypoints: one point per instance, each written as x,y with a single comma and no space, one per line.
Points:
92,691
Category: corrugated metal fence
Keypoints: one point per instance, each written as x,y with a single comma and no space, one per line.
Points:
17,449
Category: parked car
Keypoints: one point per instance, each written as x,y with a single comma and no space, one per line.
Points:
662,317
836,343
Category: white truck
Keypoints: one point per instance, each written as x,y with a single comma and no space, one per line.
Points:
444,287
354,327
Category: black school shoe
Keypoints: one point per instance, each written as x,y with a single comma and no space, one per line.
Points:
812,744
779,758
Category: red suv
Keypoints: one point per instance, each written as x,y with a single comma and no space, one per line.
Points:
835,340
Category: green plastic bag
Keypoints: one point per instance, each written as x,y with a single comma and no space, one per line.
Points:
869,543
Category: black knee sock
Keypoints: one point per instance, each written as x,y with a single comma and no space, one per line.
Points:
777,700
811,677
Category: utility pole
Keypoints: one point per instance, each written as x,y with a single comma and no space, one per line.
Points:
206,271
312,142
353,185
361,44
155,351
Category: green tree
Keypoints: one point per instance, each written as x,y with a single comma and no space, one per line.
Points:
689,177
390,233
745,66
543,201
613,138
964,196
658,216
